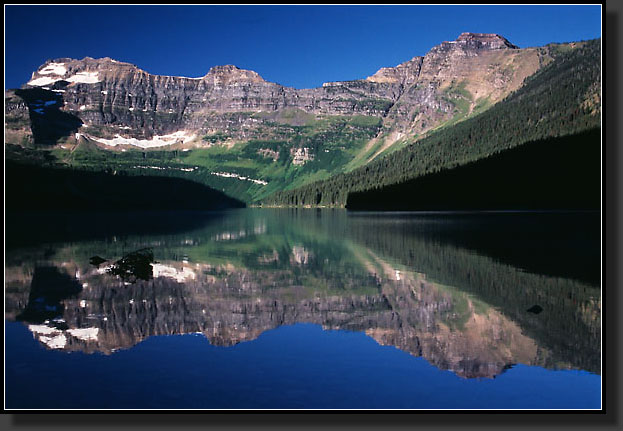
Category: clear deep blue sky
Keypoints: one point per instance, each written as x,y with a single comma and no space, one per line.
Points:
296,46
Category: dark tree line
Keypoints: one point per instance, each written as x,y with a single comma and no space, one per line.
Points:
558,100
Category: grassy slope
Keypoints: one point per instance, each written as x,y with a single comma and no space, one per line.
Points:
334,141
339,144
553,102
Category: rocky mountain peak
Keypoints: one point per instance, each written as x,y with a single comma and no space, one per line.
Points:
405,73
228,74
484,41
88,70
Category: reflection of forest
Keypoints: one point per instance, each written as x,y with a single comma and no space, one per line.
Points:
239,276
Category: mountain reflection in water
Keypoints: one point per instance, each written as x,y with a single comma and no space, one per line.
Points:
414,282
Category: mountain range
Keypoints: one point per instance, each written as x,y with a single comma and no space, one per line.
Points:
261,142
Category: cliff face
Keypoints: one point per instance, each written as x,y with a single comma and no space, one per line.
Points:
409,284
115,94
408,311
17,126
411,97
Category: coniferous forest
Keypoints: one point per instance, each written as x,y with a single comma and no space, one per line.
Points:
556,110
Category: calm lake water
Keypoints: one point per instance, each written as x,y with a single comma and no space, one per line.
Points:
297,309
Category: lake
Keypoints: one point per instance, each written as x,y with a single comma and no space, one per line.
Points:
303,309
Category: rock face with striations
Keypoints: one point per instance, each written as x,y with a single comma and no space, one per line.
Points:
412,314
413,97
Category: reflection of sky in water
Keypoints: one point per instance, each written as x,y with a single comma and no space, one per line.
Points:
297,366
429,325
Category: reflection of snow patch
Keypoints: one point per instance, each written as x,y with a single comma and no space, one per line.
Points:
42,329
104,269
226,236
85,334
57,342
160,270
300,255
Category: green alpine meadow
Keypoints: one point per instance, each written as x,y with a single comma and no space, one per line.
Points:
301,208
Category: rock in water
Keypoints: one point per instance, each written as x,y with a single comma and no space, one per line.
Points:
134,266
96,260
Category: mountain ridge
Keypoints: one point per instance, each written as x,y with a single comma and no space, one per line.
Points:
466,40
232,125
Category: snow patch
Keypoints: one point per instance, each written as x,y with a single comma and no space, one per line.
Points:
54,69
181,136
80,77
240,177
44,80
84,78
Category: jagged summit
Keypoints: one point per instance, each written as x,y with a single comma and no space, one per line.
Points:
484,40
90,70
473,43
405,73
229,73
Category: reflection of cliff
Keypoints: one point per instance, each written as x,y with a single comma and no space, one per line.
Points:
570,322
253,271
230,305
451,329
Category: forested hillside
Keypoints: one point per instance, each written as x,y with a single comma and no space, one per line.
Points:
562,99
53,188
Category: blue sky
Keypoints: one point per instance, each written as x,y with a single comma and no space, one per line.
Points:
296,46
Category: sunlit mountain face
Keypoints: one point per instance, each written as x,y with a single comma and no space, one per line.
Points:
457,291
